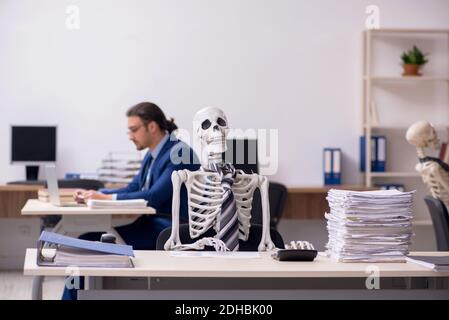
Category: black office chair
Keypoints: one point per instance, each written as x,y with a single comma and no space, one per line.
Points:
277,194
255,234
27,182
88,184
440,220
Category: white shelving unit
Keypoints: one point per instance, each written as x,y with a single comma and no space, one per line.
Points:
119,167
371,79
406,79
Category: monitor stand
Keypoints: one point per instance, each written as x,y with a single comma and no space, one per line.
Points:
32,172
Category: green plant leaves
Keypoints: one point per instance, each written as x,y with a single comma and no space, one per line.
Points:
414,56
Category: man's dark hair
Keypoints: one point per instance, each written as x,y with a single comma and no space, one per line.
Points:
148,111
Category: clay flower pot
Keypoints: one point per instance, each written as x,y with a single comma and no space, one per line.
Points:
411,70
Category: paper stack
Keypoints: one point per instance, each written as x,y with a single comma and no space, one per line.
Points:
117,204
65,195
85,258
369,226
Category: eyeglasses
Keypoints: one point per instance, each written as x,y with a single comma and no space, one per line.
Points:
133,130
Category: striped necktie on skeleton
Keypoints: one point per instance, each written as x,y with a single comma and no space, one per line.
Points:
228,223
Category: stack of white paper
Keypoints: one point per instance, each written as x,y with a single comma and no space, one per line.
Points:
369,226
117,204
85,258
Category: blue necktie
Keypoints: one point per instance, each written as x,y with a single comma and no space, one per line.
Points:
144,182
228,218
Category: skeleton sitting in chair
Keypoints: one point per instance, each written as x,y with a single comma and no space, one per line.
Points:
219,196
434,172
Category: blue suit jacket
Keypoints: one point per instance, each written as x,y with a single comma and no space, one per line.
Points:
160,192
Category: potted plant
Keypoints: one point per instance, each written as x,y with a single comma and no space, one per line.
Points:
413,60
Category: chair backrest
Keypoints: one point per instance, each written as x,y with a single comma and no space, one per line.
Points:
88,184
440,220
277,194
255,234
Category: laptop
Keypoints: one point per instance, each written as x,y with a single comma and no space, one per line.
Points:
53,189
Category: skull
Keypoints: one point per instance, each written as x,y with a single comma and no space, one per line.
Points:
422,134
211,127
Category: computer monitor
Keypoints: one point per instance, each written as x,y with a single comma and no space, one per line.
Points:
32,146
242,153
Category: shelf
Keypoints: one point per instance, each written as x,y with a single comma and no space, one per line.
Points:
395,175
406,78
409,31
382,80
437,127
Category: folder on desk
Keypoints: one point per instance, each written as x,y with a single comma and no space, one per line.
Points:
438,263
68,251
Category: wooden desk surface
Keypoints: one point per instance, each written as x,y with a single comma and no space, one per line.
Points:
34,207
162,264
14,187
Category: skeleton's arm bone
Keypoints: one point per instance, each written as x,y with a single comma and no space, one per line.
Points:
265,242
178,178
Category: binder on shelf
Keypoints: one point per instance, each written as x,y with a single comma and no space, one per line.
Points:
332,166
336,166
378,153
381,150
363,153
327,165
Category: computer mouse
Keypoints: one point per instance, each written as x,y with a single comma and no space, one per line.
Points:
108,238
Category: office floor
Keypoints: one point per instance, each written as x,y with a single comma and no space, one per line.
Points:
13,285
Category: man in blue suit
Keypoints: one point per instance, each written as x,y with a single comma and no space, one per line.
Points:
149,128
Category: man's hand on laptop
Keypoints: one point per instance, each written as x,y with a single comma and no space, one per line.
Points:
81,196
78,195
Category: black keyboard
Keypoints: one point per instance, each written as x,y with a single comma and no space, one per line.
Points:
28,182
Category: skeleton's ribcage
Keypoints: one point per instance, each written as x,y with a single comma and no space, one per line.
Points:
435,178
206,196
243,189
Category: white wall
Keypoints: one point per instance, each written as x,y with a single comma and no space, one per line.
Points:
290,65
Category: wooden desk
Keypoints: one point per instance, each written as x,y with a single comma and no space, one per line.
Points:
35,207
14,197
161,265
156,263
76,221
